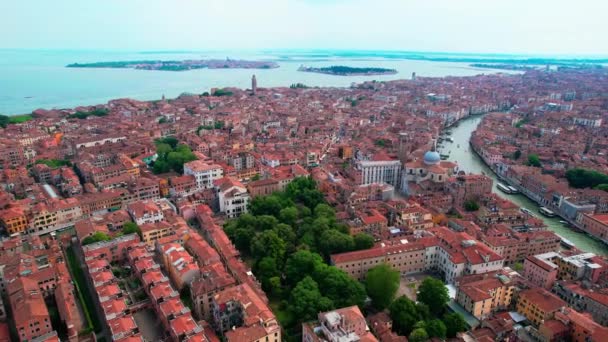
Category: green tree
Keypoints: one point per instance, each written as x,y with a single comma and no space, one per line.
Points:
454,323
242,238
222,92
471,205
418,335
436,328
332,242
363,241
603,187
130,228
265,205
300,264
265,222
287,234
382,283
307,301
304,211
171,141
518,267
324,210
255,177
163,150
170,155
380,142
289,215
161,166
266,269
583,178
304,190
96,237
404,315
318,226
533,160
434,294
4,121
516,154
338,286
268,243
424,313
275,287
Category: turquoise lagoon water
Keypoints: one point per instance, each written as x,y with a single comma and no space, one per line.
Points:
31,79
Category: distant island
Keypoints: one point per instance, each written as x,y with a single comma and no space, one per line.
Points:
505,66
520,67
341,70
180,65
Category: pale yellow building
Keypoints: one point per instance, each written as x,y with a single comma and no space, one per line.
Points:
150,232
538,305
481,294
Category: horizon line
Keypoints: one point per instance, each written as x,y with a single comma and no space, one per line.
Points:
312,50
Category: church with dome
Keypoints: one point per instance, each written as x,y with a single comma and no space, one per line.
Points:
426,172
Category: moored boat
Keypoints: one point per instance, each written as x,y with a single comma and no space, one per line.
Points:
526,211
513,189
503,188
546,211
565,242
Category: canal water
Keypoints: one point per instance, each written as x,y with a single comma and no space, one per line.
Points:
469,161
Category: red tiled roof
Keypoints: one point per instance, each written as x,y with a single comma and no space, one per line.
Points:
375,252
122,325
115,306
183,325
542,299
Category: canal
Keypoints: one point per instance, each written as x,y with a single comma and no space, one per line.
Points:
460,152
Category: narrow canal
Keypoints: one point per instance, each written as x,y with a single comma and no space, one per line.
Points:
467,160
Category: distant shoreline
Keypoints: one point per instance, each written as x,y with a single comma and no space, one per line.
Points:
179,65
340,70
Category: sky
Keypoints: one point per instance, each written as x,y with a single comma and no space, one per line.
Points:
549,27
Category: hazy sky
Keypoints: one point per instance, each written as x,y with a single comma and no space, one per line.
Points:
510,26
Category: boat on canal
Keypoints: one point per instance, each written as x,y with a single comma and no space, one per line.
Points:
504,188
471,163
526,211
565,242
513,189
546,211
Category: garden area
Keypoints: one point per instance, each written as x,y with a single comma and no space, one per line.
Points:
129,283
54,163
421,319
289,236
171,156
14,119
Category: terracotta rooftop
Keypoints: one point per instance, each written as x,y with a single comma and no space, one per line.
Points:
376,252
542,299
